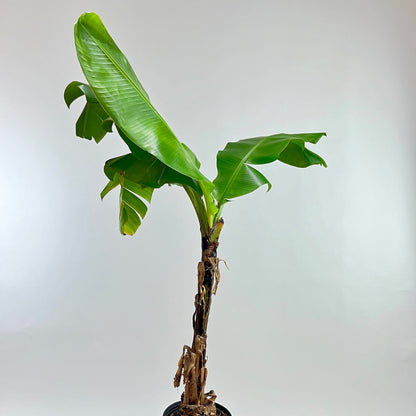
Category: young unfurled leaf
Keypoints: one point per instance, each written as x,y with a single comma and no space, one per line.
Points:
235,175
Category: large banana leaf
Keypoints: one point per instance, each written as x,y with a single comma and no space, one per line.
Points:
93,122
235,175
120,93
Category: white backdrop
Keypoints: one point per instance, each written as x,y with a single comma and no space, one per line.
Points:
317,313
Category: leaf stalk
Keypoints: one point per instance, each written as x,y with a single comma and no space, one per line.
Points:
211,208
200,209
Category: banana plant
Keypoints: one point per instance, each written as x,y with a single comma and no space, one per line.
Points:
116,101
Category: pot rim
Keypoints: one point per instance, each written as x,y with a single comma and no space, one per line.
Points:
175,406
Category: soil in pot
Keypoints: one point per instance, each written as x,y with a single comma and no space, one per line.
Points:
173,410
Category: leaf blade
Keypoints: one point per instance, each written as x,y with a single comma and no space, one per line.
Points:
123,98
129,220
93,121
133,202
235,175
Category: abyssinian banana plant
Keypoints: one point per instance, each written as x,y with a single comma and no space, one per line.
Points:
116,100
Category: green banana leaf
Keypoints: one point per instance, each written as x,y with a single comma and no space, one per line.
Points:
150,171
138,175
93,122
132,208
146,171
123,98
235,175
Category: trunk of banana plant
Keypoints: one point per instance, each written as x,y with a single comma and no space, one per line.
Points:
191,366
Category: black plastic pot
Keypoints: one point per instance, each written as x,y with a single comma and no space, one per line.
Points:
173,408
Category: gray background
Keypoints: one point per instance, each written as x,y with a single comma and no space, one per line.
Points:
317,313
